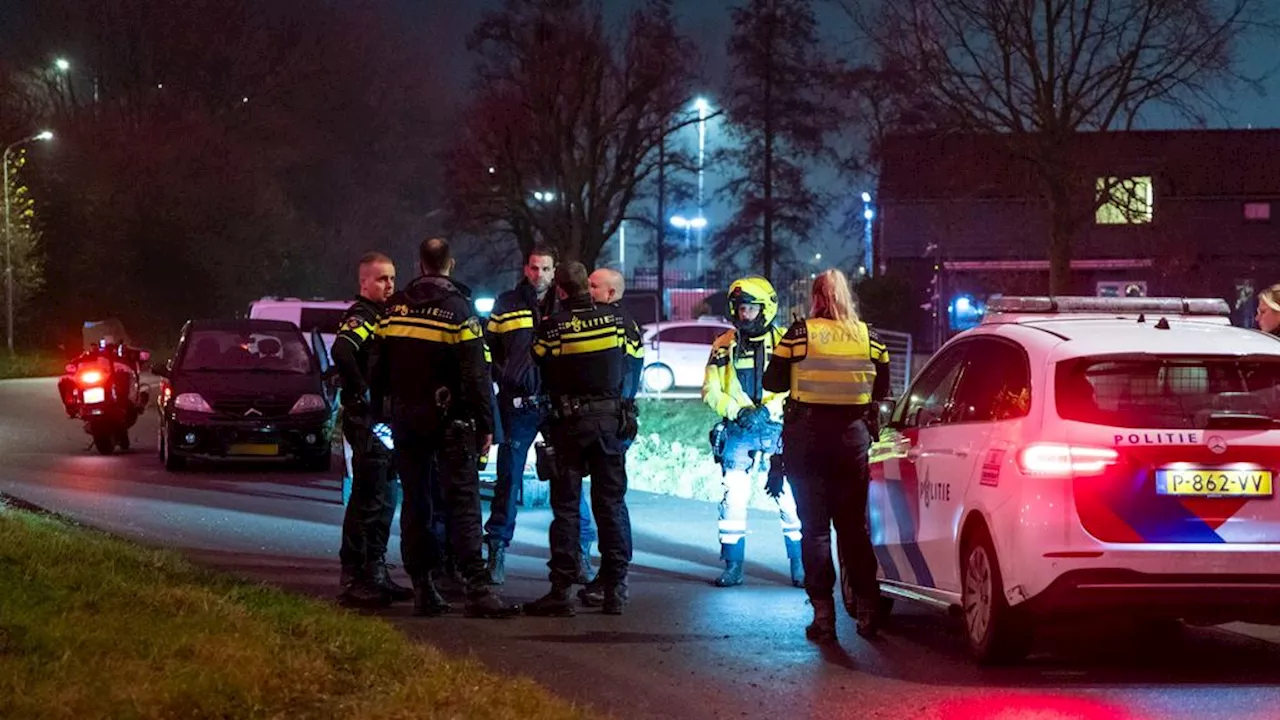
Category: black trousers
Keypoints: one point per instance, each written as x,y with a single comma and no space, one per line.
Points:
825,450
444,464
366,526
588,445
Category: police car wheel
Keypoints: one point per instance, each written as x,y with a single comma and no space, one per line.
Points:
172,462
659,378
995,632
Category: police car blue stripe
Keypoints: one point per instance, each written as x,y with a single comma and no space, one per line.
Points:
907,533
887,564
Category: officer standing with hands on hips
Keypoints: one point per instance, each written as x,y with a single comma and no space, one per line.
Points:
837,371
367,523
583,350
437,377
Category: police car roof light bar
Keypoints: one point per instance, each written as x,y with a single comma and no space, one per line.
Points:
999,305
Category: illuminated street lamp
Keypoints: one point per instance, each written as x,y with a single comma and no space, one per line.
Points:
62,64
684,223
868,214
8,235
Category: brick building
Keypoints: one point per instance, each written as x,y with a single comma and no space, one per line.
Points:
1158,212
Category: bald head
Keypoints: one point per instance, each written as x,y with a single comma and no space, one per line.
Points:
606,285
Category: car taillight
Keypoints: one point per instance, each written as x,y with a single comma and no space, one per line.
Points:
1055,460
91,377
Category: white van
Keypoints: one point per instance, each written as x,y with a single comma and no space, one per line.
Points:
315,314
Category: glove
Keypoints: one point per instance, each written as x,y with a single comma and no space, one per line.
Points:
777,473
355,407
629,428
753,418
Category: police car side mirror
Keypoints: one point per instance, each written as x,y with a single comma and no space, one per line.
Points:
886,412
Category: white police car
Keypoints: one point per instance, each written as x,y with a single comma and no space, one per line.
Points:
1072,456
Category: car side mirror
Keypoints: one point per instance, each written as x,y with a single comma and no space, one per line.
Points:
886,412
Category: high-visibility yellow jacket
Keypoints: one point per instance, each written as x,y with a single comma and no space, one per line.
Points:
722,391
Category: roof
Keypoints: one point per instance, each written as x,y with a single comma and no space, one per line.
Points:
1190,163
242,324
1105,336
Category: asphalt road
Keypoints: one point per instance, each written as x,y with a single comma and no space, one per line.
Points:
684,648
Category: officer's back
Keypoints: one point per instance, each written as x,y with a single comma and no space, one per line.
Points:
583,348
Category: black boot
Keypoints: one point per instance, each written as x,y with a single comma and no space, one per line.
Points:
733,556
348,576
364,592
556,603
497,564
585,572
823,627
382,578
592,594
427,601
615,599
797,563
869,617
486,603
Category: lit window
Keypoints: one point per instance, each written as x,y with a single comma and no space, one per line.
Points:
1257,211
1125,201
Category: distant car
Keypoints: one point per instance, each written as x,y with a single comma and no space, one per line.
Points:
676,352
1081,457
246,390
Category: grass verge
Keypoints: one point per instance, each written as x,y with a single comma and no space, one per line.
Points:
672,454
25,365
95,627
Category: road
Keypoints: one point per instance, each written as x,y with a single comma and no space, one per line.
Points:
684,648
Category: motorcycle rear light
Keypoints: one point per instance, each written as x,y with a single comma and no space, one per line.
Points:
192,402
1056,460
91,377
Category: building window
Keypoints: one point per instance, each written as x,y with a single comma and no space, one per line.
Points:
1257,211
1125,201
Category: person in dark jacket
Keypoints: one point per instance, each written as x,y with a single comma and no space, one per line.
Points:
366,525
436,373
582,349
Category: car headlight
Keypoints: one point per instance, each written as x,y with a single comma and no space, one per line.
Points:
191,402
308,403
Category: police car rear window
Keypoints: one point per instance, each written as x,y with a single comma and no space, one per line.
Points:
1170,392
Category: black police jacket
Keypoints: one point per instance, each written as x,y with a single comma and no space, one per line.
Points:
583,349
355,350
510,331
435,359
635,360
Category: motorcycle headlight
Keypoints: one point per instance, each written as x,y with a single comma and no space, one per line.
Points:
308,403
192,402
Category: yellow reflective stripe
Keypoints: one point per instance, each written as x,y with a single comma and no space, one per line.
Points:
635,350
469,332
791,350
579,347
588,334
540,348
487,356
832,363
524,322
822,392
363,332
416,332
422,322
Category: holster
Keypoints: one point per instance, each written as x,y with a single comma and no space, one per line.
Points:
548,465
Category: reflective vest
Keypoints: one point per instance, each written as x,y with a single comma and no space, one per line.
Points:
834,367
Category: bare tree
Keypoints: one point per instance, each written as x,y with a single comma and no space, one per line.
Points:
565,121
780,116
1042,71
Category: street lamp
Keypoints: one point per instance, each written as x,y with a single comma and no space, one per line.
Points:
8,235
544,196
868,214
703,107
62,64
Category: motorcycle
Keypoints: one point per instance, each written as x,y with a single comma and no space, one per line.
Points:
102,389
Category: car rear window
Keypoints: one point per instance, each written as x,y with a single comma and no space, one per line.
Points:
1170,392
246,350
326,320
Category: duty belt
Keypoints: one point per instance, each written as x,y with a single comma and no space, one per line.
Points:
528,401
572,407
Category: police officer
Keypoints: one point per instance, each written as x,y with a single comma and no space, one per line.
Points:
522,404
367,523
607,288
751,425
836,370
438,382
583,349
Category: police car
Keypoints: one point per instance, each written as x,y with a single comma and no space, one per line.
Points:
1075,456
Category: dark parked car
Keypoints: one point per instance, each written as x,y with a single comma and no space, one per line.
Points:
246,390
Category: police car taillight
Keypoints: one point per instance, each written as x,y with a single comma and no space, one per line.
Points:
1056,460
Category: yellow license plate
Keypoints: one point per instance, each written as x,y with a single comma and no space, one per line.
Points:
1210,482
254,449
